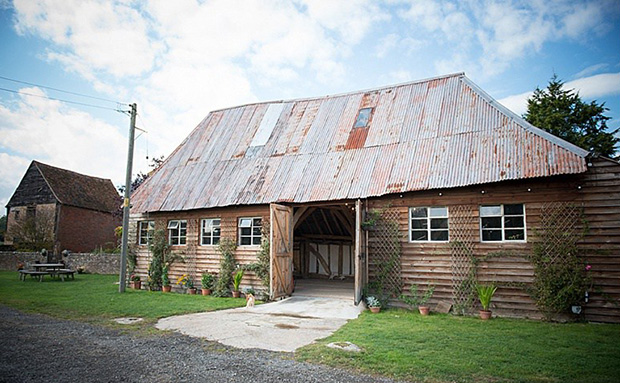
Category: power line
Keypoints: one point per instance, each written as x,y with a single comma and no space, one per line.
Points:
67,101
60,90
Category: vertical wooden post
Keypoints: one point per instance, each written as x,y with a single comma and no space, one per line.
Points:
358,252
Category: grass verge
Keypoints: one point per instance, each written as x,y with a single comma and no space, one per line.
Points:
444,348
95,298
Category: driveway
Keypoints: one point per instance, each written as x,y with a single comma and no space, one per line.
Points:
285,325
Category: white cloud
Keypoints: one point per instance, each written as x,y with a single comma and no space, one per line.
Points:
589,88
46,130
11,170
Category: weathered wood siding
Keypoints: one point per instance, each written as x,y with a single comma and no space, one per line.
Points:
598,191
206,257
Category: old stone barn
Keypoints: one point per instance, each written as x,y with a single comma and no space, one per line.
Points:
429,183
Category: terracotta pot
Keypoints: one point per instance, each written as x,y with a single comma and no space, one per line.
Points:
136,285
424,310
375,310
485,314
236,294
192,291
166,289
206,291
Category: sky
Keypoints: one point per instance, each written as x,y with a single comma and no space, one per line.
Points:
179,60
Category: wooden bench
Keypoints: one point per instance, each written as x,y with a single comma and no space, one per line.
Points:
62,273
33,274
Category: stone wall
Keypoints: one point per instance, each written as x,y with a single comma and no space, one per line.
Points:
92,263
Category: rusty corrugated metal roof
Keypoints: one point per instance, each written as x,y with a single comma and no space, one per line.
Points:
438,133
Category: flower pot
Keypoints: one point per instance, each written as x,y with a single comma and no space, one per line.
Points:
192,291
424,310
166,289
236,294
136,285
206,291
375,310
485,314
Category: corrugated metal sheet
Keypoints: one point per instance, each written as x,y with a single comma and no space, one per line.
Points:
439,133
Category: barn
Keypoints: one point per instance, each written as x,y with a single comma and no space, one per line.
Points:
73,211
426,183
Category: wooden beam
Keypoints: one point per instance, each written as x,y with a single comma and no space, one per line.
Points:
317,224
329,228
321,259
340,238
303,216
345,223
300,211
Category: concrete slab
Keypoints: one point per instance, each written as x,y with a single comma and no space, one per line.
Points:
285,325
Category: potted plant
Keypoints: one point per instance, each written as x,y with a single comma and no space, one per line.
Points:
414,299
187,283
165,281
236,282
207,283
373,304
485,293
135,281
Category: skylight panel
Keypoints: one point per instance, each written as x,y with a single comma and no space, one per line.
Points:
267,124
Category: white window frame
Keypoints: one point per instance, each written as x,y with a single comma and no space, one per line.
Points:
150,230
429,230
211,236
503,228
252,227
178,225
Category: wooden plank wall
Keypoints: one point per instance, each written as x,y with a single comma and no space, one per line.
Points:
599,192
207,257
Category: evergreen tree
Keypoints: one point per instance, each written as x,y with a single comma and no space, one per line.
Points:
562,113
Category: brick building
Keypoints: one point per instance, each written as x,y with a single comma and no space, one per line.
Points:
63,208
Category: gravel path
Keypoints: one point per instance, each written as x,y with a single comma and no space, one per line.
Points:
37,348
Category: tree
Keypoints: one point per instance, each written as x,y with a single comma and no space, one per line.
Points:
141,177
34,232
2,227
562,113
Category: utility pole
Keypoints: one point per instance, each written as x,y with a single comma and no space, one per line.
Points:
132,130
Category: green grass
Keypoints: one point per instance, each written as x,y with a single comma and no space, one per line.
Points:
95,298
444,348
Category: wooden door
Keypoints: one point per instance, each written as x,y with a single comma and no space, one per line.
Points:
281,251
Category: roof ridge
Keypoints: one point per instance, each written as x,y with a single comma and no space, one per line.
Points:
70,171
397,85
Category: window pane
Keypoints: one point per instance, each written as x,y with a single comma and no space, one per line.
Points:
439,212
206,241
216,232
216,222
182,241
257,222
216,240
494,222
246,231
439,223
256,231
516,209
491,235
151,225
183,224
418,212
439,235
513,222
245,240
417,235
173,224
245,222
362,118
486,211
515,235
256,241
419,223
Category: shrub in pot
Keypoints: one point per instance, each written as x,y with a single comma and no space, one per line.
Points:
415,299
207,283
485,293
373,304
237,282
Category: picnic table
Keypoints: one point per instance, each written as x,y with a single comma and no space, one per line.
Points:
39,270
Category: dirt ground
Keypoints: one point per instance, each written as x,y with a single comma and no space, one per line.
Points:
37,348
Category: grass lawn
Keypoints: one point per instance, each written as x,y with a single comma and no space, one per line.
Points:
95,298
445,348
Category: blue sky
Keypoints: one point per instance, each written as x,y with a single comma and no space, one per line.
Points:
180,59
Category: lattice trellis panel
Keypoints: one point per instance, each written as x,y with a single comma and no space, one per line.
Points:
386,251
193,231
462,223
560,229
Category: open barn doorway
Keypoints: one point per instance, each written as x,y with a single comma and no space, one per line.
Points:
324,254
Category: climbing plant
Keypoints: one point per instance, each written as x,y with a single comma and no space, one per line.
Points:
226,248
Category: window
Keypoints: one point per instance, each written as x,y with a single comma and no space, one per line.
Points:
177,232
428,224
210,231
363,118
502,223
145,232
250,231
